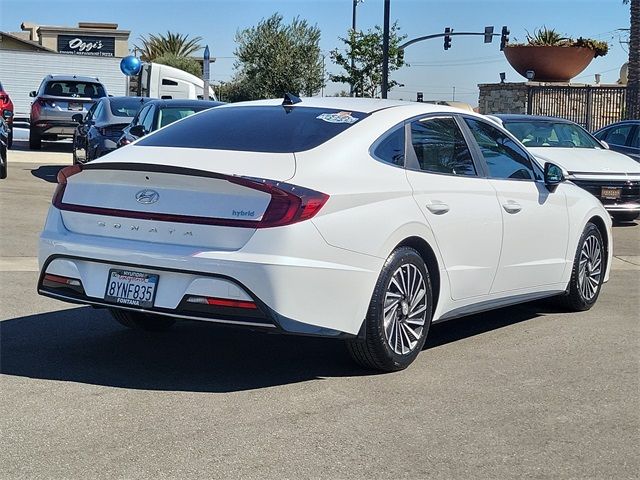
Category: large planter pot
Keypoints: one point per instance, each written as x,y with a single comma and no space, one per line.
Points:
550,64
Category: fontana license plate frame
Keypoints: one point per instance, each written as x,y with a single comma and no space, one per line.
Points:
610,193
124,291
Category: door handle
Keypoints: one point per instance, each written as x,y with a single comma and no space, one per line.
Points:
511,207
438,208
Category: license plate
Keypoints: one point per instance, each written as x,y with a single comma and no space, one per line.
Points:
610,193
129,288
75,106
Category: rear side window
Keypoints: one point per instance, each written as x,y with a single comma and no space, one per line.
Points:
61,88
391,148
440,147
169,115
618,135
274,129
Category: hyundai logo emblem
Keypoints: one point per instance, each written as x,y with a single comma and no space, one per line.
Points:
147,196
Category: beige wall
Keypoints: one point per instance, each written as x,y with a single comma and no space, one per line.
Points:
8,43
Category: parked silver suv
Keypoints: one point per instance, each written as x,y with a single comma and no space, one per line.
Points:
58,98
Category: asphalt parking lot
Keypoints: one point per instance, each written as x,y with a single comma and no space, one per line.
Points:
523,392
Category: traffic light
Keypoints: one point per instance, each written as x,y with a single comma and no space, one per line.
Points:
488,34
504,38
447,38
419,97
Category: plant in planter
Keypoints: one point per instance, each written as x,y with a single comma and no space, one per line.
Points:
552,57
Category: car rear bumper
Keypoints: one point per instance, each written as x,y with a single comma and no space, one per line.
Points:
54,127
293,293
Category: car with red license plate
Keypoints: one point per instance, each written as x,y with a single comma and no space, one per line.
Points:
56,101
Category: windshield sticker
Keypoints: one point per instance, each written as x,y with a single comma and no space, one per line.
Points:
340,117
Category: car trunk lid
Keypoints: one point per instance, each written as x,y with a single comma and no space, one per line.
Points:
168,203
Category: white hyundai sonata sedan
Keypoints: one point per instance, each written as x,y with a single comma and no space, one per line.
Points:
366,220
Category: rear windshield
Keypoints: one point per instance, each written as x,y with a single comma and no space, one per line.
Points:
60,88
125,107
274,129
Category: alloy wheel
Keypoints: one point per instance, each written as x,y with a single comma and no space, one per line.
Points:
590,267
405,309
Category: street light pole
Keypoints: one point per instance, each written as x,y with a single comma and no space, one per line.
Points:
353,29
205,73
385,49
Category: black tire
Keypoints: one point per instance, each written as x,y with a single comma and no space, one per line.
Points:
35,140
625,217
579,296
375,350
142,321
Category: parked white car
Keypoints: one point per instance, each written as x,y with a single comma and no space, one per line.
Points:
360,219
614,178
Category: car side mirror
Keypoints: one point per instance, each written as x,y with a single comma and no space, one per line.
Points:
138,131
77,117
605,145
553,175
32,93
7,114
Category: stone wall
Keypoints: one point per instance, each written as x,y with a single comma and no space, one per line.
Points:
592,106
503,98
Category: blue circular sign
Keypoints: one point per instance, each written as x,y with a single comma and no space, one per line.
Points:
130,65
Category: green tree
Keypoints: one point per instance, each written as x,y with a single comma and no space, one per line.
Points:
366,49
235,90
275,58
175,44
633,75
187,64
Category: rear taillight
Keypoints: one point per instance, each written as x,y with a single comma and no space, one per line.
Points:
289,203
62,177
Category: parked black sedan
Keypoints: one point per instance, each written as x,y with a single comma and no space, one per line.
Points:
160,113
98,132
623,137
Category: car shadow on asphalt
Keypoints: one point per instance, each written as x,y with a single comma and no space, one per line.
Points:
48,173
61,146
85,345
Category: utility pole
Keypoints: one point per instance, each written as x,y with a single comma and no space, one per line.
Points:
385,49
353,29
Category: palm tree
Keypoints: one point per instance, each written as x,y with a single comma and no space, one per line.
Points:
633,82
174,44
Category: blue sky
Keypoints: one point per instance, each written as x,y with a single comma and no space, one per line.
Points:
434,71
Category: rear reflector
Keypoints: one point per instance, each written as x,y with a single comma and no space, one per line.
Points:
289,203
72,282
222,302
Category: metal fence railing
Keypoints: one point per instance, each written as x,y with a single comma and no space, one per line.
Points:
592,107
